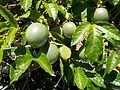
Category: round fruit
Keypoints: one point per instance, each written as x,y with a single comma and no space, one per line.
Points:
101,14
36,35
65,52
52,53
68,29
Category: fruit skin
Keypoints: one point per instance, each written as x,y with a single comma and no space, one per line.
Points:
101,14
36,35
65,52
52,53
68,29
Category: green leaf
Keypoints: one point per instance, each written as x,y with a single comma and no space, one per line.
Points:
34,14
104,57
9,38
93,47
26,15
8,16
80,78
51,9
111,32
98,81
66,71
116,82
38,4
4,29
3,25
78,6
84,15
114,1
112,61
53,1
1,55
19,66
57,36
25,4
91,86
44,63
81,33
61,9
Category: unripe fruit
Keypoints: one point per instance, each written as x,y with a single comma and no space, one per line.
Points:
36,35
101,14
52,53
65,52
68,29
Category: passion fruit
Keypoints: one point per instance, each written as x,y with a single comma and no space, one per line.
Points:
53,53
36,35
65,52
68,29
101,14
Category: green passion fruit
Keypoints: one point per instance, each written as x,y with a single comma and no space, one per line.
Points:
68,29
101,14
51,51
65,52
36,35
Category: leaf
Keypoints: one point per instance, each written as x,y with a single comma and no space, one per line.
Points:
9,38
1,55
61,9
81,33
66,71
116,82
114,1
91,86
112,61
104,57
51,9
93,47
53,1
57,36
26,15
80,78
44,63
84,15
26,4
8,16
3,25
4,29
78,6
98,81
19,66
111,32
38,4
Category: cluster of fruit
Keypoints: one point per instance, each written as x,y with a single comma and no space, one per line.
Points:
37,33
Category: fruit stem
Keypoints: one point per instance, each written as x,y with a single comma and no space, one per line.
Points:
101,3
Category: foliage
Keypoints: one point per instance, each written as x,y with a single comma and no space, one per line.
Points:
25,67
